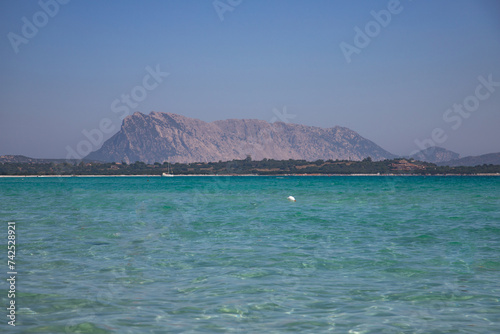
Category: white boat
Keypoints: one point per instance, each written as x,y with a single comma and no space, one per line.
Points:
169,172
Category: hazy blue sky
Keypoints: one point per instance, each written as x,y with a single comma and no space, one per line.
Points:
244,59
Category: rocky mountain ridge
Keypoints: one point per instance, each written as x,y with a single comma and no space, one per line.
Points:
160,137
435,155
484,159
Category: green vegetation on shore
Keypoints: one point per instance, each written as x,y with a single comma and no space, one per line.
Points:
245,167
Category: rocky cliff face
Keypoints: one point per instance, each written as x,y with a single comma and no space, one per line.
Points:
160,137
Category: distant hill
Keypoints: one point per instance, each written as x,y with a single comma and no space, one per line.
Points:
435,155
24,159
491,158
160,137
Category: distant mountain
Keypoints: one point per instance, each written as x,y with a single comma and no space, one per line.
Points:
24,159
435,155
17,159
491,158
160,137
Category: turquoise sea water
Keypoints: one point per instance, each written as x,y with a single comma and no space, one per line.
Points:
231,254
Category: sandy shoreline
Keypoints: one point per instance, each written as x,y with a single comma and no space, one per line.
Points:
225,175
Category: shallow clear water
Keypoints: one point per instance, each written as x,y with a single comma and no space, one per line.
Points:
231,254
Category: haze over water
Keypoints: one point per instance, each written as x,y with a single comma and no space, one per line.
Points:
231,254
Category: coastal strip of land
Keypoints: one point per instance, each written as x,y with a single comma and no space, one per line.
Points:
245,167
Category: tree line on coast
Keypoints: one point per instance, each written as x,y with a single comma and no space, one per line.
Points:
245,167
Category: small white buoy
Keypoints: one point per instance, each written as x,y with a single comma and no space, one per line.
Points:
291,198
